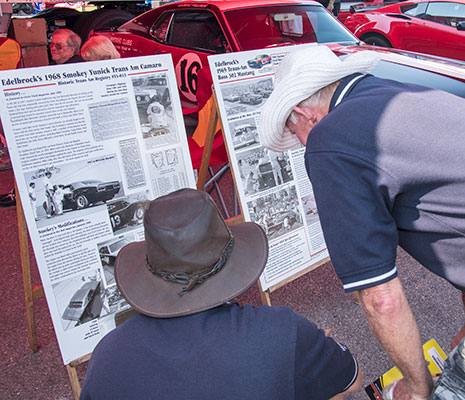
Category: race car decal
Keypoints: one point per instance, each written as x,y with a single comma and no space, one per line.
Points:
186,75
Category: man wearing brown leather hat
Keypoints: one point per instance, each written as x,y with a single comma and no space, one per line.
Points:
188,341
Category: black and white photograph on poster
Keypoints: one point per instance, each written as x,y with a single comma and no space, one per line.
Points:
246,96
262,169
244,133
155,110
167,170
116,301
108,251
55,191
277,213
158,160
127,213
311,212
80,299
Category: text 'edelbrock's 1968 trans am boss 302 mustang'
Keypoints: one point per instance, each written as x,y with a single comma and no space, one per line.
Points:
192,30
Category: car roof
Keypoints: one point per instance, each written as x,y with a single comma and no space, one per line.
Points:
226,5
403,3
436,1
85,183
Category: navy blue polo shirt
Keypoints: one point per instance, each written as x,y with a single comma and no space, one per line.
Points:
387,165
229,352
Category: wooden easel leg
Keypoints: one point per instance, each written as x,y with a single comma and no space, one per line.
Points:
207,150
74,380
265,295
73,376
26,268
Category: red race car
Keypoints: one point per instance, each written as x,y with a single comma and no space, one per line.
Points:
432,27
193,30
348,8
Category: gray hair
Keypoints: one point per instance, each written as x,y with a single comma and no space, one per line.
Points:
72,39
99,48
318,98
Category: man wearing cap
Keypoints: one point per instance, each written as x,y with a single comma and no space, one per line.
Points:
386,163
188,341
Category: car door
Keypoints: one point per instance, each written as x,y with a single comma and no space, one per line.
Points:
410,29
441,18
190,36
435,29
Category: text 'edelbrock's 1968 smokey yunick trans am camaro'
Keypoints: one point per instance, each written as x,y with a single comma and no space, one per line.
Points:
193,30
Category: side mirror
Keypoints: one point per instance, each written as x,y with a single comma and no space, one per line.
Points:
461,26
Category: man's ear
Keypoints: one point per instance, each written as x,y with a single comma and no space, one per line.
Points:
306,112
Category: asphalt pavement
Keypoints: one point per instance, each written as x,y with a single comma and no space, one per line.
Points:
317,295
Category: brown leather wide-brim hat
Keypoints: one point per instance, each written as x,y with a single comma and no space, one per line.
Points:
191,260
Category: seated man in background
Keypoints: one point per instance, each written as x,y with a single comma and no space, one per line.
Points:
189,342
65,46
64,49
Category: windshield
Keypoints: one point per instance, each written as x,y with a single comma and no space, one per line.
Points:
260,27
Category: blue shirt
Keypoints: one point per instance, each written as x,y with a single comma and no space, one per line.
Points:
387,165
229,352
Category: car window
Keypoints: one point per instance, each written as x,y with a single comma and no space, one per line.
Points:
159,30
445,13
259,27
196,30
414,10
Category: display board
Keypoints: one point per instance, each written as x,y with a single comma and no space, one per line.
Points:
91,144
273,188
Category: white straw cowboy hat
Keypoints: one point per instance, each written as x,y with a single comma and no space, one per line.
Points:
304,71
190,260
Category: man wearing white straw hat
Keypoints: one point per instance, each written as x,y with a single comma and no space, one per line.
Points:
386,163
189,342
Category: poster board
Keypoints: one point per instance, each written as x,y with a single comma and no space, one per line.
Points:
97,140
273,188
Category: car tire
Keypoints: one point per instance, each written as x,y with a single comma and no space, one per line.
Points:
376,40
139,214
101,18
81,202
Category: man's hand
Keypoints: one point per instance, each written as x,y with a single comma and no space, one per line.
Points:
401,392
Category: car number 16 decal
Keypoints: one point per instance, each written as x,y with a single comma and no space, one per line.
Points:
186,75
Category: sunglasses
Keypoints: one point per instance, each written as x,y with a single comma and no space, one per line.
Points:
57,46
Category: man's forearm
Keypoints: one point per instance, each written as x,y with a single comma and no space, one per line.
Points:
392,321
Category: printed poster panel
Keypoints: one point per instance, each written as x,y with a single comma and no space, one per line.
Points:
273,187
91,144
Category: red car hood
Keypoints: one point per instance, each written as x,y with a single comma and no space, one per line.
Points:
443,66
